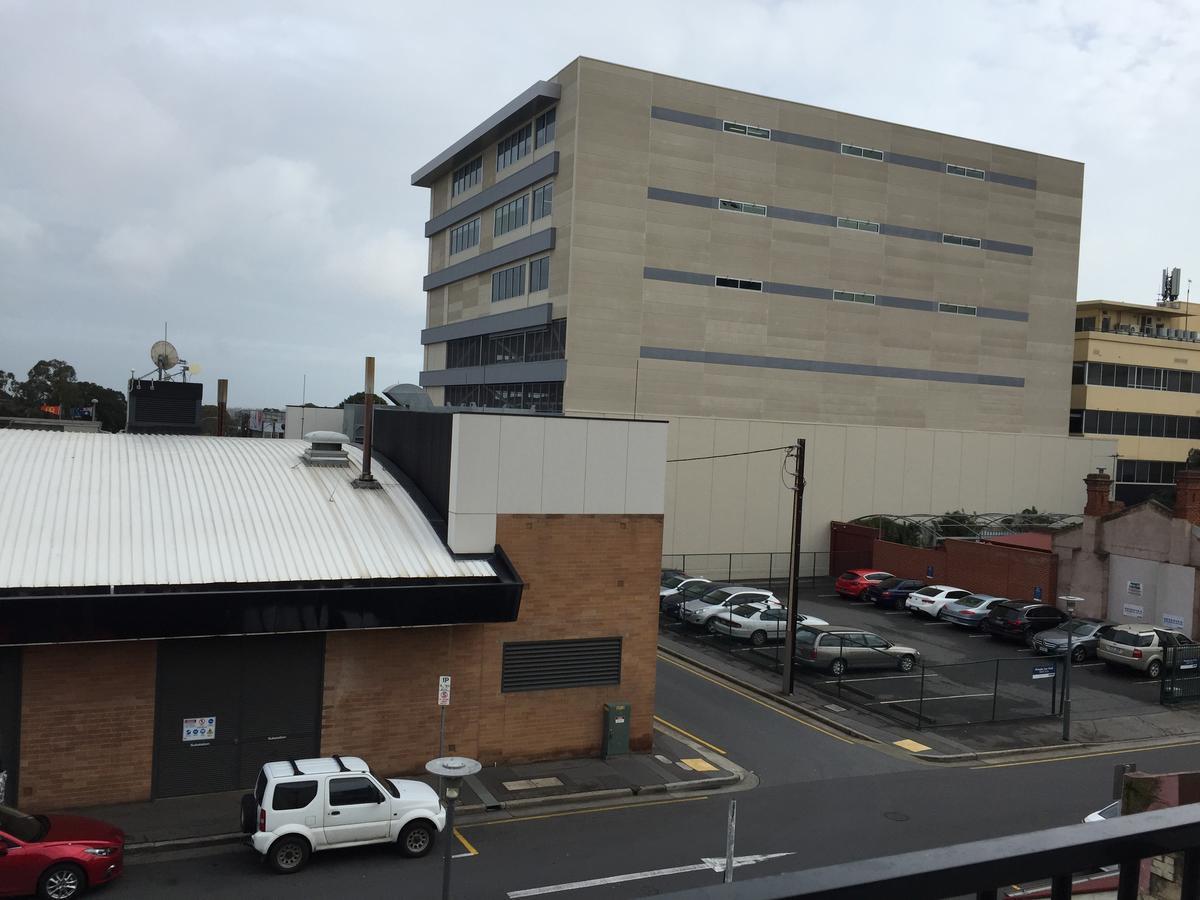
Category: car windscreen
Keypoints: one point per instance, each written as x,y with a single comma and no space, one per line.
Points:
1080,629
746,610
387,785
1130,638
21,826
670,581
699,589
928,592
848,576
1007,613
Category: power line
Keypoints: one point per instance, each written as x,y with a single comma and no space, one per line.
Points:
740,453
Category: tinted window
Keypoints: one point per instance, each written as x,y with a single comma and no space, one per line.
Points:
293,795
879,576
351,791
955,595
670,581
746,610
1130,638
848,576
720,595
1007,613
876,642
774,615
260,788
909,585
890,583
805,638
928,592
971,602
699,589
21,826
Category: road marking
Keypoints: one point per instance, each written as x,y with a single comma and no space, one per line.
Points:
909,744
897,612
1054,759
752,699
861,603
1085,665
879,678
929,699
698,740
709,863
936,622
699,765
827,596
1024,649
471,851
580,812
978,635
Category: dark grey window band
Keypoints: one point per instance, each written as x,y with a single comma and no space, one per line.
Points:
529,317
526,246
498,373
833,368
832,146
830,221
531,174
819,293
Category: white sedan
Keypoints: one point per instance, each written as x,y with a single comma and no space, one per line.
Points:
757,622
931,599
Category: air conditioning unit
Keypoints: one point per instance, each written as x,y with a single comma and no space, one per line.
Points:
1160,332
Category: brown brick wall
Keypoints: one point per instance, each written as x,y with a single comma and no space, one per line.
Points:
984,568
586,576
87,724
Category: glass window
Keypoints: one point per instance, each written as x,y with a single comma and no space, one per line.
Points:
748,130
1121,376
853,297
964,171
504,348
464,237
1075,422
1194,427
544,128
1093,373
1106,374
511,215
1154,476
858,224
22,826
745,284
293,795
546,343
1185,382
543,199
1078,371
1172,380
1089,421
1158,426
875,642
463,352
753,209
352,791
508,283
861,152
539,274
960,240
1105,424
513,147
466,176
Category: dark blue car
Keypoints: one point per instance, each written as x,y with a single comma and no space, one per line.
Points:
893,592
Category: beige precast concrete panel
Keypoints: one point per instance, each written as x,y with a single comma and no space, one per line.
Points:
728,503
948,466
1000,469
918,469
889,469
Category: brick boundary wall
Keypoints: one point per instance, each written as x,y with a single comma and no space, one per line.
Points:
984,568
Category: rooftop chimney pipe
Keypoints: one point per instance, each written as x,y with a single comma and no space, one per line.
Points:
366,480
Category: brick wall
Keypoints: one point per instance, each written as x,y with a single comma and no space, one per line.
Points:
87,728
586,576
980,567
850,546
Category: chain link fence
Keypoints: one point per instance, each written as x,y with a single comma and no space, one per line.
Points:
758,569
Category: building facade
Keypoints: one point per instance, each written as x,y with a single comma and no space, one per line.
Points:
618,242
1136,379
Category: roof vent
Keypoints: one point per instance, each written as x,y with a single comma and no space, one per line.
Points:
326,449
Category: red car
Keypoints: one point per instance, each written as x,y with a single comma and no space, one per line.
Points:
857,582
56,857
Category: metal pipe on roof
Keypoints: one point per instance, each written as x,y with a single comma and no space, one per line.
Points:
222,399
366,479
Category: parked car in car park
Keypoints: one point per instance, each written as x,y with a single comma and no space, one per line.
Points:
56,857
1083,639
893,592
857,583
1138,647
931,598
971,610
1021,619
673,584
300,807
757,622
669,605
700,611
837,648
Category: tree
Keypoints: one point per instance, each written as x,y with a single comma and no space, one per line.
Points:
8,393
361,397
49,382
110,408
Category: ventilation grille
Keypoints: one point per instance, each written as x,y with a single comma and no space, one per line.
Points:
545,665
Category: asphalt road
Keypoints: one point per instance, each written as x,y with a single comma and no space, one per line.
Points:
817,797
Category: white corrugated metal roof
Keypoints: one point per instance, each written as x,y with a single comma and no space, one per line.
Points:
123,509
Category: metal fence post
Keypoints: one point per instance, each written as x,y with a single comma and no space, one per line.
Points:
730,577
996,689
921,701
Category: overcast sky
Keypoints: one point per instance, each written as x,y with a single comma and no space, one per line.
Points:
241,170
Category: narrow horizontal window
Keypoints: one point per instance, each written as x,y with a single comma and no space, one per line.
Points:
749,130
965,171
745,284
858,224
960,240
863,152
466,176
852,297
958,309
753,209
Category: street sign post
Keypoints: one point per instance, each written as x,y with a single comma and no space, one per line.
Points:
443,702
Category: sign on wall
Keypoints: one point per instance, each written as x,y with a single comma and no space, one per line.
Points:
1133,611
201,729
1172,621
1135,588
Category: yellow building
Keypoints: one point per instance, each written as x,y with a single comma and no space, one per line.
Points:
1136,376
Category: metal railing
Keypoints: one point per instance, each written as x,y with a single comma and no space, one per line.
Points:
756,568
1180,676
984,868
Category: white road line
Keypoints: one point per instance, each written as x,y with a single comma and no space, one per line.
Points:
462,855
930,699
979,635
897,612
935,622
827,596
882,678
1024,649
861,603
1085,665
713,865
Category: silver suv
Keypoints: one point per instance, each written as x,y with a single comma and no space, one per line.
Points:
1139,647
837,649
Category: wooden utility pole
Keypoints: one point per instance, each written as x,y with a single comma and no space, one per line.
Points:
796,454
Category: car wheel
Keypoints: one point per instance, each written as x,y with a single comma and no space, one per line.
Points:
711,626
62,881
865,596
1154,669
906,663
416,838
837,667
1079,654
288,854
758,638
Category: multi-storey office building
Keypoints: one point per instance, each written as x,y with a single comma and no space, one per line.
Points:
617,242
1136,378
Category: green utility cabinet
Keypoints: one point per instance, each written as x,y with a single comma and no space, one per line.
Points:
616,730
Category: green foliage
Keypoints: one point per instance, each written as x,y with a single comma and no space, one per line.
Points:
897,531
360,397
54,382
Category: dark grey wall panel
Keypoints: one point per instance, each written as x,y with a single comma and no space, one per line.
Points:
801,215
805,140
418,442
533,99
988,312
907,303
1012,180
835,368
684,118
529,317
500,373
537,242
797,290
681,197
531,174
1005,247
913,162
916,234
678,276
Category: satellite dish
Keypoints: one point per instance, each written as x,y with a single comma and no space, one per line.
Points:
164,355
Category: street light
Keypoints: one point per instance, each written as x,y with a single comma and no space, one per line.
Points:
451,770
1070,603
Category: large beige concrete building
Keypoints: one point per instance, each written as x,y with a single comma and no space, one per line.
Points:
615,242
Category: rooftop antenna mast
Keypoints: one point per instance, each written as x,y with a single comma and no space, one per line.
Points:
1169,295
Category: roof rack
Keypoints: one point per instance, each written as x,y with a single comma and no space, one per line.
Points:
295,768
341,765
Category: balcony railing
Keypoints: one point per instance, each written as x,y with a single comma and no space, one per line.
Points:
1156,332
984,868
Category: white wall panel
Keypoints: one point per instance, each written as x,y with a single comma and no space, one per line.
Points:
607,450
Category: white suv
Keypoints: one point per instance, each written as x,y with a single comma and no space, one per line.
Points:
301,806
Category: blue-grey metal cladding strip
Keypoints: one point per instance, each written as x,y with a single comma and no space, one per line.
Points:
526,246
833,368
832,146
543,168
819,293
529,317
830,221
499,373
